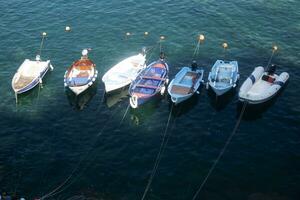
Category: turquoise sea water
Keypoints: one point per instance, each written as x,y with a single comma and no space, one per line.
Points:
48,140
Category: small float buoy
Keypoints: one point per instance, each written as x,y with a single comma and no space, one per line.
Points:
146,33
44,33
128,34
68,29
275,48
201,38
225,45
162,37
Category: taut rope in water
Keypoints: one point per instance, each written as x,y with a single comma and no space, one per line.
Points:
222,152
158,157
126,111
201,38
270,59
63,186
44,34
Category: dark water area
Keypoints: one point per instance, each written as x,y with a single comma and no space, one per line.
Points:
95,147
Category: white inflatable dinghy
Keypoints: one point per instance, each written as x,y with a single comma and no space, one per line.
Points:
262,85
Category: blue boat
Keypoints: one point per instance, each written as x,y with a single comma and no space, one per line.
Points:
223,76
150,83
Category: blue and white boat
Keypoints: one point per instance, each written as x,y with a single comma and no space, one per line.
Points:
223,76
30,74
81,75
185,84
150,83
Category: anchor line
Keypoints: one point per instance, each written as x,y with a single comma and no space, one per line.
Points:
152,51
101,102
158,157
221,152
86,166
63,185
269,61
41,46
196,50
126,111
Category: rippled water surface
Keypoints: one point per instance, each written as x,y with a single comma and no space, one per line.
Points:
52,139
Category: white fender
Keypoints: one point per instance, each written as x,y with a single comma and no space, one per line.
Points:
257,73
51,67
163,89
133,100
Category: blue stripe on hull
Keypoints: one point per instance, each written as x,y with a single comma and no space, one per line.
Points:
252,78
33,83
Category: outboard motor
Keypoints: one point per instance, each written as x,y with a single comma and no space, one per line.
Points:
162,55
194,65
271,70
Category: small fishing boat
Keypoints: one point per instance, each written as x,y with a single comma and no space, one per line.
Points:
29,74
185,84
123,73
81,75
150,83
223,76
262,85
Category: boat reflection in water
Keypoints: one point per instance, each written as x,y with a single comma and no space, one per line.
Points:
220,102
115,97
81,100
184,107
144,113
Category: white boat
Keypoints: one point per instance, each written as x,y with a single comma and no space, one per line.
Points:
81,75
262,85
30,74
123,73
223,76
185,84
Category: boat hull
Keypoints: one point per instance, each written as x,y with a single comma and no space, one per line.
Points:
185,84
80,76
123,73
35,81
80,89
149,84
220,91
223,76
255,90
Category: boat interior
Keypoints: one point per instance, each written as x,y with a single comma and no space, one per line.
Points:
80,73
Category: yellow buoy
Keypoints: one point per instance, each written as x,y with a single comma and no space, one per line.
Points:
44,33
68,28
225,45
162,37
201,38
146,33
275,48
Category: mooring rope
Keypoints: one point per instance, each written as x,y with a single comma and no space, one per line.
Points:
221,152
271,57
126,111
196,50
42,43
63,185
158,157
